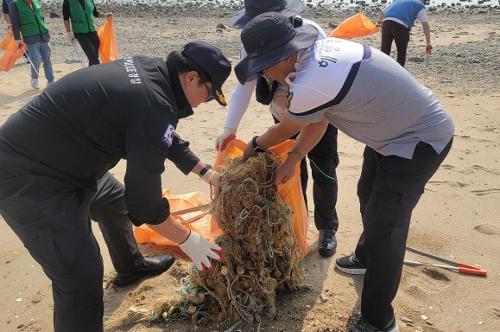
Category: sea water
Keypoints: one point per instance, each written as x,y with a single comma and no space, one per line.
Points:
312,3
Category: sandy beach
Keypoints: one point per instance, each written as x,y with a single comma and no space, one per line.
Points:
456,218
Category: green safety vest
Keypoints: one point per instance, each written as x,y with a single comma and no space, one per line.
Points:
82,21
31,21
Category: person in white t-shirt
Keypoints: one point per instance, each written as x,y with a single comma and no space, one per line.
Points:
323,158
371,98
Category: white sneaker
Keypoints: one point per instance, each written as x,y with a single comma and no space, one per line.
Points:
34,84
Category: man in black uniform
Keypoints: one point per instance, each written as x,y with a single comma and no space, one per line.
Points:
55,154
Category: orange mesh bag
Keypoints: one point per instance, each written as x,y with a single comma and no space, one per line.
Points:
108,48
355,26
144,234
290,192
12,52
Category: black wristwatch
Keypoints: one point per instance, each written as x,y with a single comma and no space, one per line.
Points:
204,170
256,146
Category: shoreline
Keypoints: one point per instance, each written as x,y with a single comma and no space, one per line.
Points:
218,8
457,217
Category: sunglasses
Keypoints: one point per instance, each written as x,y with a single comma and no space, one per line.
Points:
210,95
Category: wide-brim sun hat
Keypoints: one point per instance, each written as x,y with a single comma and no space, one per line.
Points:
254,8
268,39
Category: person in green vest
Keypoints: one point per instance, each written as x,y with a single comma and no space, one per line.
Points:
81,14
29,28
5,11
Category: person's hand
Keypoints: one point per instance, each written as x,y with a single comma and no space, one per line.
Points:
252,149
378,24
249,151
428,49
211,177
285,171
70,36
200,250
224,137
19,43
214,179
108,15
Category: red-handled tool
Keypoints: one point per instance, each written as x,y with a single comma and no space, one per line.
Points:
451,265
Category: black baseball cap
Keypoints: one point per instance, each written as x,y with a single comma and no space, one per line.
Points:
254,8
268,39
211,63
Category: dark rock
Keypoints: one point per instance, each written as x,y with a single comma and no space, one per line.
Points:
54,15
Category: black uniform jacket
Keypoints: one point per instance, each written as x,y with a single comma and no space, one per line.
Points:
83,124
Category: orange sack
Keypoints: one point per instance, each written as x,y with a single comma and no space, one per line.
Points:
12,52
108,48
144,234
291,193
8,37
355,26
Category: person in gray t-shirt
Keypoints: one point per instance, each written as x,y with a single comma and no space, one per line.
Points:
371,98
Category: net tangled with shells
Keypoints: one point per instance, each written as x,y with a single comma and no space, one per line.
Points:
260,252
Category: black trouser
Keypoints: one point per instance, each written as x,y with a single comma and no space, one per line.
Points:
323,159
52,219
89,43
400,34
388,190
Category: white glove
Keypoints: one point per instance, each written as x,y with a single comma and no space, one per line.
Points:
70,36
211,177
200,250
224,137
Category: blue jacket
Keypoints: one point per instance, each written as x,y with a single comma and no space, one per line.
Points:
404,10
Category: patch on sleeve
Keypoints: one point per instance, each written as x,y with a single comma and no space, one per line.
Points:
168,135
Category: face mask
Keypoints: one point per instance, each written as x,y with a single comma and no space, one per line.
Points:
263,92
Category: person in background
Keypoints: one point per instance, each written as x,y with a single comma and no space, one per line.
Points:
26,18
6,17
323,158
5,11
396,20
81,14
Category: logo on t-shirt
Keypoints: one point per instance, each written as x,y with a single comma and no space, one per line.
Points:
168,135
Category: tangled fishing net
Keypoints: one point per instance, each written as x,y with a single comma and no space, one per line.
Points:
260,251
